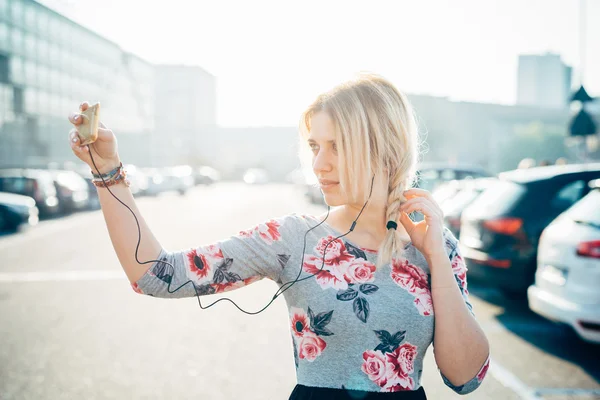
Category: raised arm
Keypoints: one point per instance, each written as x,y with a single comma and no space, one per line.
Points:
120,223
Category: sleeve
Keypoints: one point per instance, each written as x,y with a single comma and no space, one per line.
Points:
460,274
251,255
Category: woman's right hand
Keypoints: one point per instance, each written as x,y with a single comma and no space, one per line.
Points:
103,150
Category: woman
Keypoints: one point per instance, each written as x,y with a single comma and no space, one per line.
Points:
365,306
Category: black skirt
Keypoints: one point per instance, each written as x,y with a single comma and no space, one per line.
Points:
302,392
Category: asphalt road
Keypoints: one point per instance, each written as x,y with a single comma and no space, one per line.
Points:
72,328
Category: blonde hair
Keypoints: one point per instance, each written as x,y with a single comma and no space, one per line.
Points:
376,134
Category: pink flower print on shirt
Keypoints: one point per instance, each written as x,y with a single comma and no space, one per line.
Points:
414,280
268,231
336,252
307,329
459,268
198,265
375,366
424,303
402,361
300,323
484,370
409,276
359,271
331,276
310,346
391,363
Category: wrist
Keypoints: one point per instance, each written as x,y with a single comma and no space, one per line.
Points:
106,168
437,257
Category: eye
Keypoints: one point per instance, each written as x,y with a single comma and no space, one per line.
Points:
334,147
313,147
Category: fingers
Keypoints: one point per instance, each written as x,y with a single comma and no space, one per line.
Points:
416,192
75,143
423,208
76,119
422,205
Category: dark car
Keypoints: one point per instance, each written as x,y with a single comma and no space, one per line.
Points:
501,229
17,210
467,191
71,189
35,183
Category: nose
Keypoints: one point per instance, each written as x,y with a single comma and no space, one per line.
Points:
322,162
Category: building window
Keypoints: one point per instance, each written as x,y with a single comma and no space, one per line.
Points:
18,100
17,12
30,46
4,9
16,70
30,17
4,75
4,40
30,73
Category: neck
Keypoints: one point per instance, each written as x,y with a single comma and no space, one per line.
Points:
371,222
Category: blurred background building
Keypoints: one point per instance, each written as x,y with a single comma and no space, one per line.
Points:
543,81
166,114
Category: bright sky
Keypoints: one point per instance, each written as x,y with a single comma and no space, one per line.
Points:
273,57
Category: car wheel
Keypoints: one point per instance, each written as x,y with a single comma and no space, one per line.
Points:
5,224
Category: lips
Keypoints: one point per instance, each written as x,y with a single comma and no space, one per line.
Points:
326,182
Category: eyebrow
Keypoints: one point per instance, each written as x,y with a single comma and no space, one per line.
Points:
314,141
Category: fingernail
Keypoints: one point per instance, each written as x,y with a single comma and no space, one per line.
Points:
74,140
75,118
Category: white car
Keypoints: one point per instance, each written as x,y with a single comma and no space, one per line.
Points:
567,280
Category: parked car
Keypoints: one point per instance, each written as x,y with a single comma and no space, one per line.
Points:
256,176
206,176
71,189
500,230
179,178
155,181
453,206
16,211
138,180
567,279
447,190
86,173
35,183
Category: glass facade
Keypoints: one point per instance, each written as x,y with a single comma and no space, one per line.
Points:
48,65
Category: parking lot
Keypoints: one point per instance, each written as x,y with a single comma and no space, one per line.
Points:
73,328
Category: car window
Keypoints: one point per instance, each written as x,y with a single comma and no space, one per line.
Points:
586,209
461,200
568,195
447,175
498,198
15,184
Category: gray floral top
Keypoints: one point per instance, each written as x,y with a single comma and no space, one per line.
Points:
353,326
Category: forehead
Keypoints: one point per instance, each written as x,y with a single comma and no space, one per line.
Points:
321,127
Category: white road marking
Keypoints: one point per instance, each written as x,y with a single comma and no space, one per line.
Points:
511,381
567,392
58,276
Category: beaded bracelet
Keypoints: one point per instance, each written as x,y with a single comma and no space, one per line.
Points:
120,176
108,174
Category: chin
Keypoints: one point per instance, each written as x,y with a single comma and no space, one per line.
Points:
334,200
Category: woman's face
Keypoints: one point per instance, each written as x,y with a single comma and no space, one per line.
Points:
321,141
